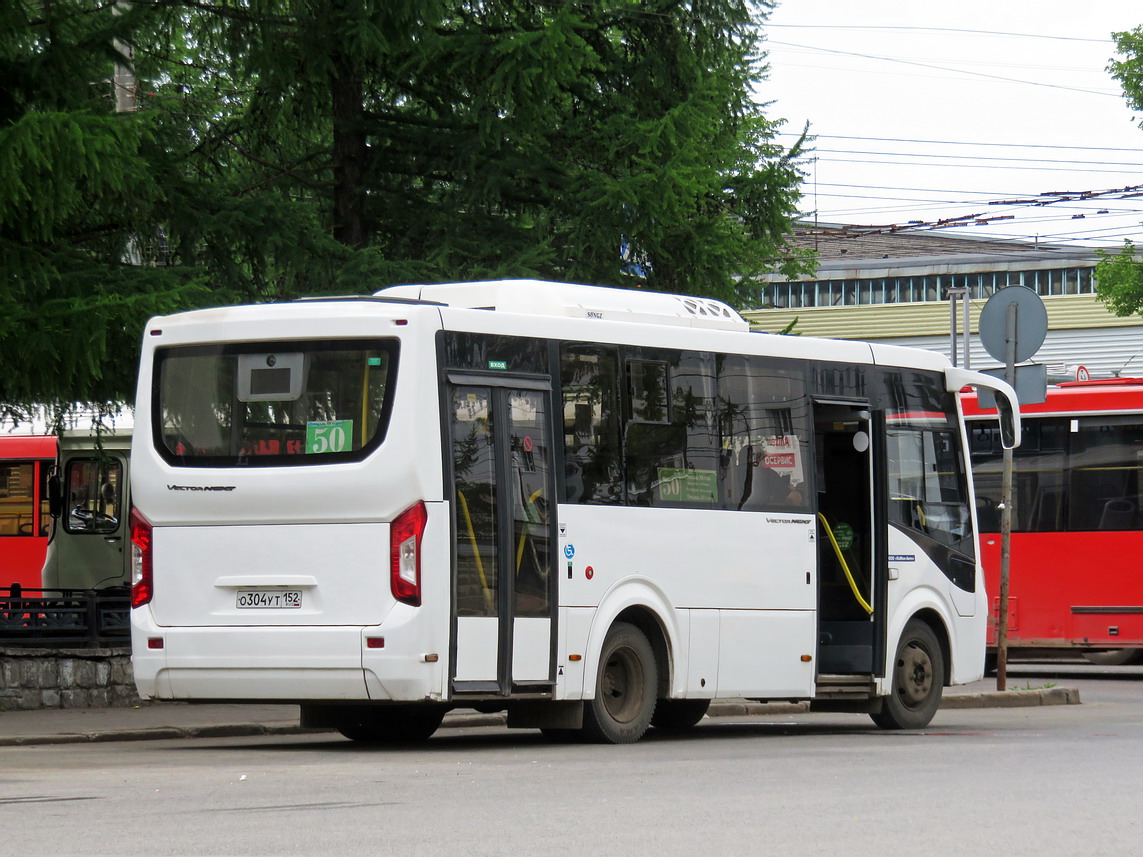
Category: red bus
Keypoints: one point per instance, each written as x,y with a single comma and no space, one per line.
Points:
25,521
1075,570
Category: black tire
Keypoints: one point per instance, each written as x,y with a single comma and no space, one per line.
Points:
678,714
406,724
918,674
625,688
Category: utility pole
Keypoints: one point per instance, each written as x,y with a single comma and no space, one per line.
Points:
960,293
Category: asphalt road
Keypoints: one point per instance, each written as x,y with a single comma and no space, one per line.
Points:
1052,780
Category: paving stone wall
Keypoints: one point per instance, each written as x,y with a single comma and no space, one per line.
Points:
65,678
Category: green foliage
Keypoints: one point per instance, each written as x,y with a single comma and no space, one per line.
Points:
1119,277
789,329
74,179
1119,280
287,147
1129,70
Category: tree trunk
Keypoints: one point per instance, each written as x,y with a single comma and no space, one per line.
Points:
349,154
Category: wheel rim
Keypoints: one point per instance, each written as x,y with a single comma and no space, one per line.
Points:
621,685
914,675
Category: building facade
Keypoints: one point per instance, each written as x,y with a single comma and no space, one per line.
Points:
894,288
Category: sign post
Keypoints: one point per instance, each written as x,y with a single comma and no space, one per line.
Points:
1013,325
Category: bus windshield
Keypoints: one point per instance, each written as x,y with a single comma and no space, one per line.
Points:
272,403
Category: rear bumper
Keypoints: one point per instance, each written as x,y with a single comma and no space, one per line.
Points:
282,664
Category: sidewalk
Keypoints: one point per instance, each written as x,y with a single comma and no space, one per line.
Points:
179,720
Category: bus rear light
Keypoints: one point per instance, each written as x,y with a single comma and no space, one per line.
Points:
374,642
142,580
405,554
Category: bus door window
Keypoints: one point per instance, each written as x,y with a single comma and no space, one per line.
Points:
502,472
842,447
474,467
94,495
530,525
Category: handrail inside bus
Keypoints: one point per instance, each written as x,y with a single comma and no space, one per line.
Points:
476,554
844,565
524,529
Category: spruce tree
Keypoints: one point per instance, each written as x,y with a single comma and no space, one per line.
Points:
289,147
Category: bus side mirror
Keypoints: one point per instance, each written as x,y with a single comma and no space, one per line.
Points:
1004,409
55,492
991,393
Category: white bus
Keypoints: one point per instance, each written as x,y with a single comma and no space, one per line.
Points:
594,509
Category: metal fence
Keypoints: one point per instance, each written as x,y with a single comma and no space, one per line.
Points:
70,617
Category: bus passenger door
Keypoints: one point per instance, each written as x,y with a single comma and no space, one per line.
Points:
844,450
503,492
90,548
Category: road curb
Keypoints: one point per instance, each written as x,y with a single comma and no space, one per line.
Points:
1017,698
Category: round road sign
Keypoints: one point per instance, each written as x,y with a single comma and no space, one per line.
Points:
1031,323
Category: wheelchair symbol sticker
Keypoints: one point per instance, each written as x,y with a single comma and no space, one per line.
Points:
569,551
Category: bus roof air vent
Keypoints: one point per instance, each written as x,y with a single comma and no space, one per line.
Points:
572,300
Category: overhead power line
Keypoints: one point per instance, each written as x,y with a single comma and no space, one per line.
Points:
772,26
965,143
949,69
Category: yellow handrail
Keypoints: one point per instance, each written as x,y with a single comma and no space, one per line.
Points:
524,529
844,565
476,554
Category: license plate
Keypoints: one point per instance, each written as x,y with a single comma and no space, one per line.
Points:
272,599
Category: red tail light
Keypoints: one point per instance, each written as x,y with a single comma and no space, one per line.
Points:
142,581
405,554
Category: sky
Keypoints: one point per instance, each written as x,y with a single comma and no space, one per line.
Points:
969,111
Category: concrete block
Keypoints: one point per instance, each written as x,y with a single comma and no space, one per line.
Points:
50,698
74,698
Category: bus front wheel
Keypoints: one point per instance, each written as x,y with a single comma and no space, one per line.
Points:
917,680
625,688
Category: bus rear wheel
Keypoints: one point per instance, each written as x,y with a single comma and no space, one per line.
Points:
625,688
405,724
917,680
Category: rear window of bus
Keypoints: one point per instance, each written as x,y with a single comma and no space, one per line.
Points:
272,403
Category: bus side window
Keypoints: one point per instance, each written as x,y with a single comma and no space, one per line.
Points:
17,514
1104,462
671,442
589,377
765,435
